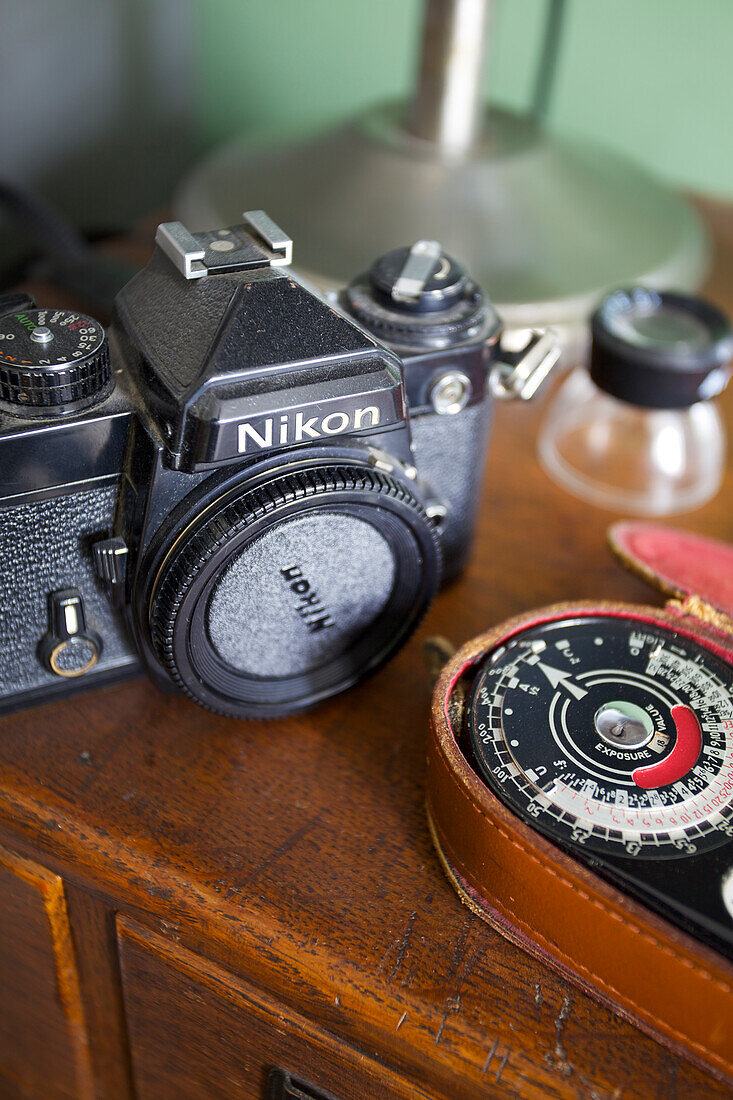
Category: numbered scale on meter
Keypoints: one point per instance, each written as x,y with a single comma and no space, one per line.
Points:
609,735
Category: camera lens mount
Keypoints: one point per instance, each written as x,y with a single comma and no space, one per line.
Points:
285,593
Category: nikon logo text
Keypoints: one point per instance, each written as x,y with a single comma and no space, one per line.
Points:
299,428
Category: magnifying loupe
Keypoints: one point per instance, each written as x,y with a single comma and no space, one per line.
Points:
638,432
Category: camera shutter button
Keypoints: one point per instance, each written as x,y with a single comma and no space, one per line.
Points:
69,649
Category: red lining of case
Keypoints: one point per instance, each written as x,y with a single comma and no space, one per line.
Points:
685,563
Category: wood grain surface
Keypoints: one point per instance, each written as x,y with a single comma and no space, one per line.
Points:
295,855
44,1049
228,1036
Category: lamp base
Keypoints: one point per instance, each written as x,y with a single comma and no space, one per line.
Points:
546,225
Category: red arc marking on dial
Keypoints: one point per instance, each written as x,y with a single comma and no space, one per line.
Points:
681,759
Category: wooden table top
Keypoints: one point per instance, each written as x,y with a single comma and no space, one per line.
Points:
296,852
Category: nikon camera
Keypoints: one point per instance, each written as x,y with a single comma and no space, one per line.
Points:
247,490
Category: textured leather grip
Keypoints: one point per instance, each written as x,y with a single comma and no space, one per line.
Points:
638,964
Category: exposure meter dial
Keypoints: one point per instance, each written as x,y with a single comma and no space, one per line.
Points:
609,734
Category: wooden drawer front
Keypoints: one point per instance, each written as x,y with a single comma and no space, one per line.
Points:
43,1043
197,1033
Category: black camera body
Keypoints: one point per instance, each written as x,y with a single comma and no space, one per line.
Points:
249,491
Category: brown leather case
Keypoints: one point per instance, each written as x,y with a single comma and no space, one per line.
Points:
542,899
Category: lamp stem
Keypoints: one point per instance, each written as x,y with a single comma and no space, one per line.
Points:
447,105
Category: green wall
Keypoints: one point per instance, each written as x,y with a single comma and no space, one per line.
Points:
652,78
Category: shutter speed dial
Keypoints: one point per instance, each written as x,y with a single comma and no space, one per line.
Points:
52,362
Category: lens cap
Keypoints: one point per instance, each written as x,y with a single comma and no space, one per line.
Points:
660,349
290,591
292,619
